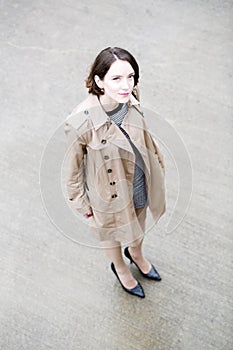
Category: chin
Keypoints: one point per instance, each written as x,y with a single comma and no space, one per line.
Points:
123,99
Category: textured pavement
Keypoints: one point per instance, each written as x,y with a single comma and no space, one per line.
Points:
58,294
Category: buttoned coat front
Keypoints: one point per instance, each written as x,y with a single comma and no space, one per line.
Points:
100,169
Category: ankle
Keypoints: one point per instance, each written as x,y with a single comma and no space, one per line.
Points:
121,267
135,253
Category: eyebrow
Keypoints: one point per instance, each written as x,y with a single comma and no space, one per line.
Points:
117,75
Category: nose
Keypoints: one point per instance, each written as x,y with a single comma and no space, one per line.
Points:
125,84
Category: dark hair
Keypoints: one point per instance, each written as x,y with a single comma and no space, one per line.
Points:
102,64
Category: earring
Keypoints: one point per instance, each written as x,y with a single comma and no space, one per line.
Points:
102,90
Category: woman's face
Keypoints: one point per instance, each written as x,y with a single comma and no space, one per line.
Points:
118,82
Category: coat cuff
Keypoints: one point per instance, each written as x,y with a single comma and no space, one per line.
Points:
82,206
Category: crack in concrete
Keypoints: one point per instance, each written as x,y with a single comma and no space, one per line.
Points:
39,48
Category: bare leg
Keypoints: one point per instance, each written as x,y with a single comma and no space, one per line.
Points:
135,249
113,251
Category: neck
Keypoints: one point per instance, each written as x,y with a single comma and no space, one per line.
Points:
107,104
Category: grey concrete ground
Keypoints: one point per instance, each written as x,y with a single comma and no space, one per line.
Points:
57,294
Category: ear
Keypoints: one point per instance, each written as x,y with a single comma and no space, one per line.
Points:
98,81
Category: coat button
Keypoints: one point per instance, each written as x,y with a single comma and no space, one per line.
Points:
114,195
106,157
112,183
86,112
103,142
109,170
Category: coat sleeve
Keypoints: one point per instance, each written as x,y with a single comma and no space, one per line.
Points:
75,180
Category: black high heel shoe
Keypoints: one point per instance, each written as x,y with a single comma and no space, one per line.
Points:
152,274
137,291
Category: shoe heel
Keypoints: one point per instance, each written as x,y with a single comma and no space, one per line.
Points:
126,251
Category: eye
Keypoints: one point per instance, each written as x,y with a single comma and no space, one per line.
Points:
116,78
131,76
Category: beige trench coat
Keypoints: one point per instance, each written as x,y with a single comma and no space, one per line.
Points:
100,169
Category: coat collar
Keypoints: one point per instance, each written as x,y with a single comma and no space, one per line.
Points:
93,109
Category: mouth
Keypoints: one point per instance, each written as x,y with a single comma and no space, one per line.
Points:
125,94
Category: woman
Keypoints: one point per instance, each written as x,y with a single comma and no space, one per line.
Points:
115,169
